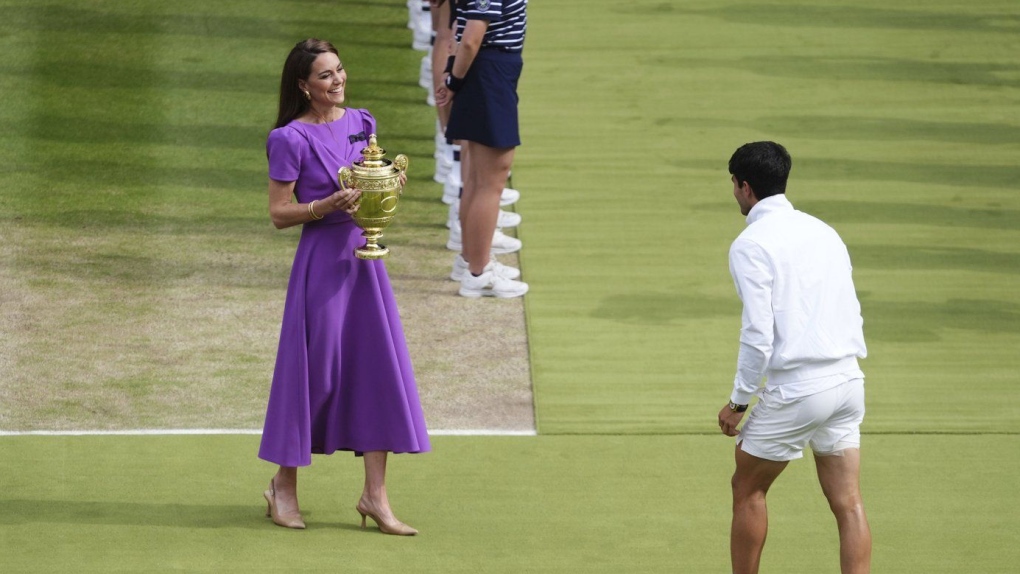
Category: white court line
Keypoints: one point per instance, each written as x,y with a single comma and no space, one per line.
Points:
165,432
482,432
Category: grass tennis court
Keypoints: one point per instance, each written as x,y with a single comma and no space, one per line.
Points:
490,504
903,126
132,202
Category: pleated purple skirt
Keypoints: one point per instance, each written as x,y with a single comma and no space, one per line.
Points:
343,377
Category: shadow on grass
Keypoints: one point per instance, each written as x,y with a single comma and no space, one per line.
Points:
898,257
906,321
358,25
920,322
82,130
836,16
889,129
839,211
21,512
17,512
652,308
97,76
854,128
125,270
116,175
834,169
858,69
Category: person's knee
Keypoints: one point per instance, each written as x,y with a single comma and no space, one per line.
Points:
503,166
498,165
496,178
746,491
845,504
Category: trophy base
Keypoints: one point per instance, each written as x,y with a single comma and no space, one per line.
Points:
372,252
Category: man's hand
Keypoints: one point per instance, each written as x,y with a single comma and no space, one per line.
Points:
728,421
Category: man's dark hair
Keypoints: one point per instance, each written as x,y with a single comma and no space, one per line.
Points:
764,165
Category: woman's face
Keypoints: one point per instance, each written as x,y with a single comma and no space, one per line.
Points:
326,82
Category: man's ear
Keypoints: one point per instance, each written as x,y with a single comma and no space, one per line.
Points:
745,188
748,191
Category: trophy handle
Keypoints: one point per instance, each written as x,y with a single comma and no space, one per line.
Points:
400,162
345,177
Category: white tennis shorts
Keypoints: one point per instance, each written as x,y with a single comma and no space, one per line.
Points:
829,422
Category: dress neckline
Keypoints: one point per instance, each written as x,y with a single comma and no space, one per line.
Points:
344,116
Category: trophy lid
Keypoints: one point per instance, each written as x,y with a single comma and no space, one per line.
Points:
373,154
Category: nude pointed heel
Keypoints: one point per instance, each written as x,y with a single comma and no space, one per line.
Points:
396,528
289,521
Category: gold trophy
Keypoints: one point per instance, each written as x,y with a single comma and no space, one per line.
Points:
379,181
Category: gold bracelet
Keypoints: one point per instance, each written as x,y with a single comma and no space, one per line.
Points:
311,210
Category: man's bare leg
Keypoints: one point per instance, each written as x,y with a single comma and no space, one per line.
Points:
751,482
839,476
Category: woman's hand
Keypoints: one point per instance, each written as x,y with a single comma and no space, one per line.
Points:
347,200
443,95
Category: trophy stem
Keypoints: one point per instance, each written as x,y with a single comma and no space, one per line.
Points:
371,249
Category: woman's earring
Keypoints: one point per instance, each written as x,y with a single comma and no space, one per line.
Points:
308,96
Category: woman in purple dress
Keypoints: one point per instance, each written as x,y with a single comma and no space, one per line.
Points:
343,378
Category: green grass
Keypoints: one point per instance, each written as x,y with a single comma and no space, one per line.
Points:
902,123
502,505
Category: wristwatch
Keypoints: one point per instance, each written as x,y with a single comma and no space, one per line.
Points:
737,408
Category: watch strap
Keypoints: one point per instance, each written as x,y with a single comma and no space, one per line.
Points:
737,408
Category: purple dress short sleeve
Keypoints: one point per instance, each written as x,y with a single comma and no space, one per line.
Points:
284,149
343,378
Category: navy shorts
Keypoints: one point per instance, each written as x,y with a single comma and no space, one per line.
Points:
485,109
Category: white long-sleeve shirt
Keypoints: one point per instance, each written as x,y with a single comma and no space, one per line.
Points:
801,326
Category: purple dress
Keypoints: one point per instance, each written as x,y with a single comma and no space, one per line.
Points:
343,378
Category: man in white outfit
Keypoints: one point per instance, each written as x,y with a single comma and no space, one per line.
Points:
802,334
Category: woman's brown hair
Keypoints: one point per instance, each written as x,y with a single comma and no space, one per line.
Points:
298,66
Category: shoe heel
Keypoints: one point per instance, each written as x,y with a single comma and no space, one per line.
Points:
363,516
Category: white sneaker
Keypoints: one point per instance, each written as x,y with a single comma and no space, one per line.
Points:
451,190
490,284
509,196
460,269
508,219
440,139
413,9
421,32
505,218
442,155
425,71
443,167
452,185
501,243
453,215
